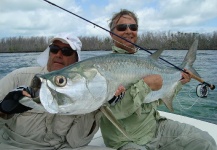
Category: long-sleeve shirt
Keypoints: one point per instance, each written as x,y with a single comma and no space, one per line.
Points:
138,119
42,130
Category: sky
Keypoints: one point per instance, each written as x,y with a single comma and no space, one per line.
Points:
28,18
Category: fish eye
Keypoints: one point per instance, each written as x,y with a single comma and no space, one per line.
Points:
60,81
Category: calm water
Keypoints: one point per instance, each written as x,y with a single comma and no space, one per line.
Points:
186,103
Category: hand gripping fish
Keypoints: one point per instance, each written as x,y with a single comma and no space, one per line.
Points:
87,85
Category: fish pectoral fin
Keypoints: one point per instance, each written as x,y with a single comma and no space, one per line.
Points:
168,102
108,113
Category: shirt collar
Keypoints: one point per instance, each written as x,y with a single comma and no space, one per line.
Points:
116,49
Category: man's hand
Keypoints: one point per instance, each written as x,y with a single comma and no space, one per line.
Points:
186,77
10,104
119,94
154,81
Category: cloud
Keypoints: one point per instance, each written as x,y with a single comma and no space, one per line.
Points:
185,15
37,18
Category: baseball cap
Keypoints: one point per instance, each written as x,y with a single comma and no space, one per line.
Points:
67,38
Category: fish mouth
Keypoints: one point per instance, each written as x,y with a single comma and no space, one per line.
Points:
36,85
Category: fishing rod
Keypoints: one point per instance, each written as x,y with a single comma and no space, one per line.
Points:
201,89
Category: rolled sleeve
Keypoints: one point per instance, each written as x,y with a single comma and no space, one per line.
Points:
132,100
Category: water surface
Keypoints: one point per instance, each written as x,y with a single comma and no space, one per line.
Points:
186,102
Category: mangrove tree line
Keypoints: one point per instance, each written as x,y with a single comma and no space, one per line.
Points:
147,40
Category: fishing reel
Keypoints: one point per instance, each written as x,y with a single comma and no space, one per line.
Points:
202,90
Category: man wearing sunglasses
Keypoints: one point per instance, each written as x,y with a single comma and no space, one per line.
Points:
142,121
27,128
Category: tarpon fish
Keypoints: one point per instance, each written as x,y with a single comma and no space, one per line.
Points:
87,85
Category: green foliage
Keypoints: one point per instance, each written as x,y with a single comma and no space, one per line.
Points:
21,44
147,40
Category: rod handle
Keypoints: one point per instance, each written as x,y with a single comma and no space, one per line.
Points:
211,86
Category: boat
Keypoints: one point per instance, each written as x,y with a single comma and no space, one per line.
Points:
203,125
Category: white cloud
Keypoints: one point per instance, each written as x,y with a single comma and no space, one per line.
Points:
42,19
185,15
36,17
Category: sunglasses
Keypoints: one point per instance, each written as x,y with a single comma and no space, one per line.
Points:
123,27
66,51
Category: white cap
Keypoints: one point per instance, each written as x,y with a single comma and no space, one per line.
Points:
67,38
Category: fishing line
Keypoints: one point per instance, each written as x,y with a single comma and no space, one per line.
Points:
212,87
189,94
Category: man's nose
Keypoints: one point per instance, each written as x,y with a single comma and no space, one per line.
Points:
59,53
128,29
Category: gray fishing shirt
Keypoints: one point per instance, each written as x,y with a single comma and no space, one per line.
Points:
36,129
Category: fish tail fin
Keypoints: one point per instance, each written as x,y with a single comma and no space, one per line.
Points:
190,58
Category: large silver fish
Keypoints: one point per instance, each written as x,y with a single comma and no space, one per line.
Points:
87,85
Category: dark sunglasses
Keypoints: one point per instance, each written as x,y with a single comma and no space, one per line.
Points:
66,51
123,27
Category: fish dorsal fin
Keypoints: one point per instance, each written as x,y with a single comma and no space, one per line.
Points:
156,54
